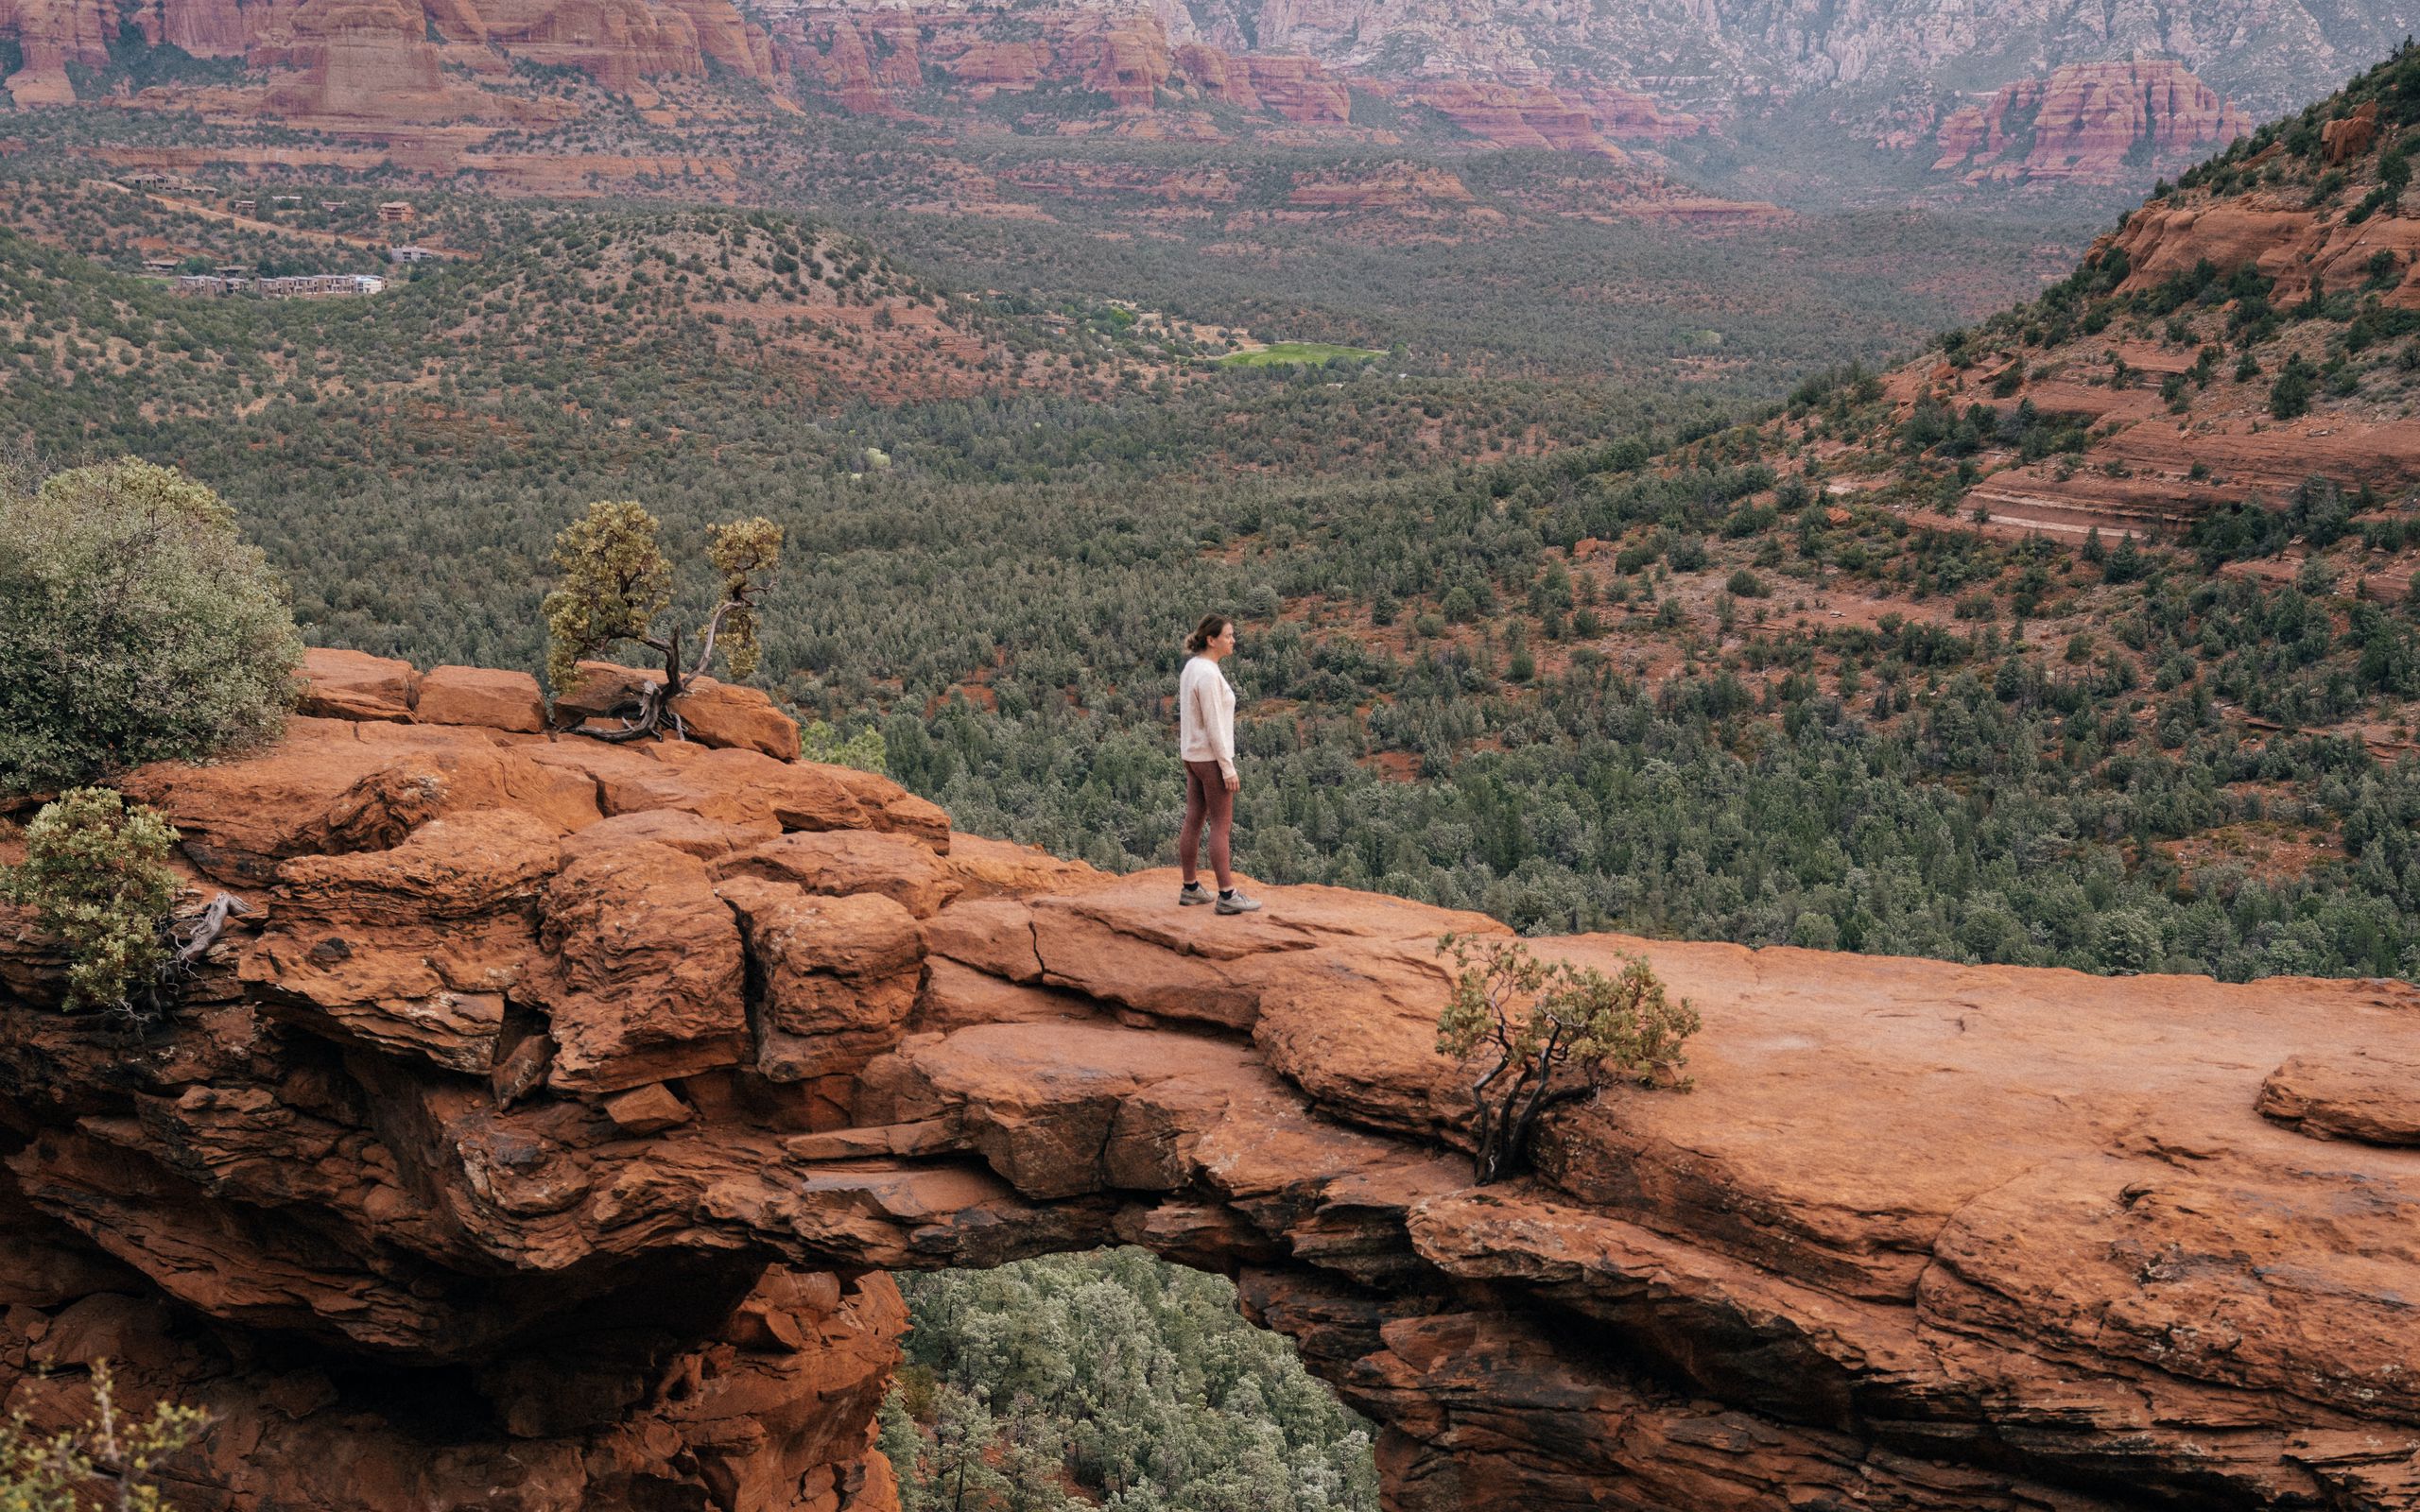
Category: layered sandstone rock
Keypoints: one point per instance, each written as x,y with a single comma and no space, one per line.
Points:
366,62
540,1139
873,63
1510,117
51,34
2086,122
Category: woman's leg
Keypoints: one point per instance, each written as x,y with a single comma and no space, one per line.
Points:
1189,834
1222,823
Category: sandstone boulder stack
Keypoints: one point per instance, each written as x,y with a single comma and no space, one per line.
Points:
542,1136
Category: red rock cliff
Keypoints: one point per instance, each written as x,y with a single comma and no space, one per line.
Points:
2082,122
542,1138
374,59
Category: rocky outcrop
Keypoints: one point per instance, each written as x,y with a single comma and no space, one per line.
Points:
541,1139
1730,55
2089,123
366,62
1300,90
1509,117
873,62
51,34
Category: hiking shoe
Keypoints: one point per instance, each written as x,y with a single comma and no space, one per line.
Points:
1238,903
1192,893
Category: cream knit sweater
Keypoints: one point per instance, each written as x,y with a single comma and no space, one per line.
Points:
1207,715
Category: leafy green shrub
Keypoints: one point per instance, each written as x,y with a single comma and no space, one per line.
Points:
1523,1024
2290,395
96,874
1746,584
134,627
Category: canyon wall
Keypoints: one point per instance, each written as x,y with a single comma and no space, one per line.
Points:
542,1136
2089,123
377,61
2048,93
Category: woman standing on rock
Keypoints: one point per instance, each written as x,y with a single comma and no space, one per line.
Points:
1207,745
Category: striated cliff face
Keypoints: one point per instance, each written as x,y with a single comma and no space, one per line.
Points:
2086,123
877,62
378,61
541,1139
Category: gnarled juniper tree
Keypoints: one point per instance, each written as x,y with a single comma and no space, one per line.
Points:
617,584
1539,1033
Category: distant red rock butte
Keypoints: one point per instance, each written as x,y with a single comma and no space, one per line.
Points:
2080,123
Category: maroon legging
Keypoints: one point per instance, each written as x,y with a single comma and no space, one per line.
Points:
1206,797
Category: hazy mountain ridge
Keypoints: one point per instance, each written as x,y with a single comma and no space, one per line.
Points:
2265,54
1877,95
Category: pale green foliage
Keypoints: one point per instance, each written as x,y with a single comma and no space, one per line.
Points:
134,627
744,553
618,583
96,874
108,1462
615,582
820,740
1135,1380
1541,1032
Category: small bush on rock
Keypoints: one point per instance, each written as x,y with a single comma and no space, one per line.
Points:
134,627
617,584
1540,1033
109,1452
96,875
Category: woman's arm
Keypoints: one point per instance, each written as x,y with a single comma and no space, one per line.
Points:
1223,730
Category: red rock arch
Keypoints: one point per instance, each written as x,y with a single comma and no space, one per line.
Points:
544,1137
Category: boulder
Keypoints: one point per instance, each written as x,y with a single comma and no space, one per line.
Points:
994,936
837,976
710,712
355,685
482,697
840,862
646,979
648,1110
2370,1097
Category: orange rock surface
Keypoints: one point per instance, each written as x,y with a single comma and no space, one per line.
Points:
587,1091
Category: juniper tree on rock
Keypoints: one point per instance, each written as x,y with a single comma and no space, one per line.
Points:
617,586
1541,1033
